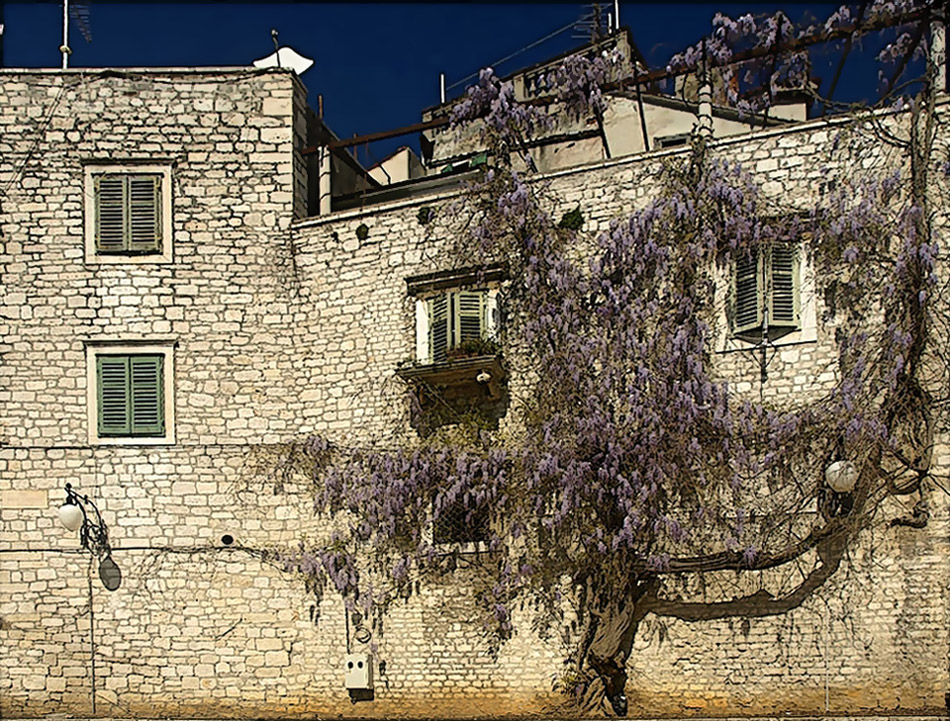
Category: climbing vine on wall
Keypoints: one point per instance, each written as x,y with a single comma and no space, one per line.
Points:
630,465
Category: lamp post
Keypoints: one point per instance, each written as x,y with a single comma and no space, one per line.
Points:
93,534
94,537
840,480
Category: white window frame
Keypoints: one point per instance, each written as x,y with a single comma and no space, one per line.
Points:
423,354
92,254
167,351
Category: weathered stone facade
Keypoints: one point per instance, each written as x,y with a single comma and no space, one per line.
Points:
280,326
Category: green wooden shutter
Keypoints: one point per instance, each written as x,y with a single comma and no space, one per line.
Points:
438,308
747,293
110,213
115,412
783,296
144,213
128,213
148,417
131,395
469,309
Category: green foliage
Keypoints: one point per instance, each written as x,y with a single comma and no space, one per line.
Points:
572,220
472,348
425,215
362,231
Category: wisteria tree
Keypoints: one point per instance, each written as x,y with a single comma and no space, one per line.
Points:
634,468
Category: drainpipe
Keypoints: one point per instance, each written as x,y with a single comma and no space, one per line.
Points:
938,51
704,126
323,175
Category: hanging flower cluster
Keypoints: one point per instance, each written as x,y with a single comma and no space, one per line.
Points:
757,57
630,458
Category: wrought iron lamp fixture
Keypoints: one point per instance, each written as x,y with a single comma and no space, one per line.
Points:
93,534
836,499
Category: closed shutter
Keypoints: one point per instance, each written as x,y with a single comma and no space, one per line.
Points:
438,327
747,292
147,395
783,307
110,214
469,307
115,412
144,213
128,213
131,395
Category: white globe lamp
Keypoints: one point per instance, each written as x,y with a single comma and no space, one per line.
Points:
841,476
71,516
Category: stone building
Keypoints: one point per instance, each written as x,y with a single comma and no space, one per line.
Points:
175,306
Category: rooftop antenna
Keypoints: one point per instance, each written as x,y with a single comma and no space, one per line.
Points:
273,34
78,11
591,25
64,48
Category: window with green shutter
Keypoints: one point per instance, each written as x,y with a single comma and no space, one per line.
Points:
765,290
454,318
130,395
128,213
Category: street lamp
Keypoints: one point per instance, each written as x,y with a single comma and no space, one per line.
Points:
93,535
840,480
841,476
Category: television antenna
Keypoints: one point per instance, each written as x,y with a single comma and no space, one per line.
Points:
591,27
78,11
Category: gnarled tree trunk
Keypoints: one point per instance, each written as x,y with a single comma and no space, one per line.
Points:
614,612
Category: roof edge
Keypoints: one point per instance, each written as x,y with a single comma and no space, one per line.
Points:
236,69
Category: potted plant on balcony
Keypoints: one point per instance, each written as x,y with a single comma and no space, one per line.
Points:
473,348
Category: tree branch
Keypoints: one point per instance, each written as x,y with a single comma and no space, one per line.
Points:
735,560
760,603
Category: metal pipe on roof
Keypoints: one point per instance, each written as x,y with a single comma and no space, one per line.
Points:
2,27
643,117
384,135
64,48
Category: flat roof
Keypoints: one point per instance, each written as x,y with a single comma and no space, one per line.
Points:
153,70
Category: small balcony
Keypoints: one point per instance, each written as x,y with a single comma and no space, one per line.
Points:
450,390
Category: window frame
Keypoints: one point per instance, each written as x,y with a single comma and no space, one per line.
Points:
94,351
92,172
489,307
727,340
451,547
765,292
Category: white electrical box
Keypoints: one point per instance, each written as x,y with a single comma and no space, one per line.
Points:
358,671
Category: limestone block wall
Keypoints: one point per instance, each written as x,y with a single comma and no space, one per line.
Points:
223,303
282,328
850,647
225,297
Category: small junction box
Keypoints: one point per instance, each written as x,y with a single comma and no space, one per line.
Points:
358,671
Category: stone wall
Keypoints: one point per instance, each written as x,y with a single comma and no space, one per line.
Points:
281,328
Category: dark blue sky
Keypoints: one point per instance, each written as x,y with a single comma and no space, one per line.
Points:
377,64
